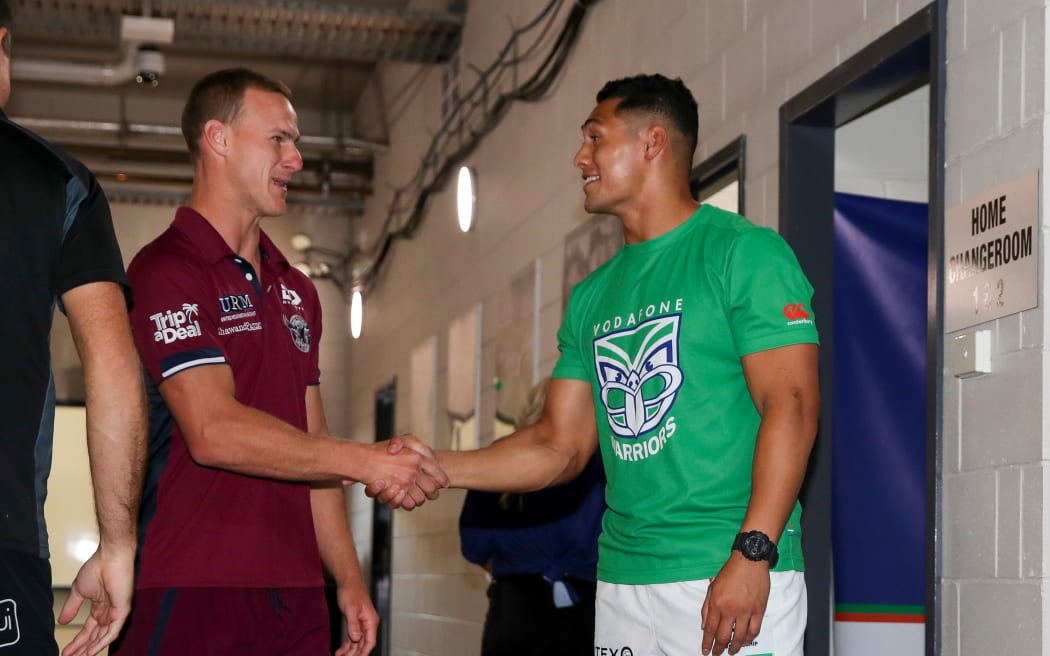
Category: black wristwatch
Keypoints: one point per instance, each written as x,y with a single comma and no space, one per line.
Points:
756,545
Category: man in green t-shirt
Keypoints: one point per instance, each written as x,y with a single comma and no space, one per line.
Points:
690,358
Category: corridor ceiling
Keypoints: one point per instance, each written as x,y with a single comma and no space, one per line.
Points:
74,80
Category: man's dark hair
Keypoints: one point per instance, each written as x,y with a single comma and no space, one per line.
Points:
661,96
5,21
219,96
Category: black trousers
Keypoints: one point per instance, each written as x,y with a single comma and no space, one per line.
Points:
523,621
27,618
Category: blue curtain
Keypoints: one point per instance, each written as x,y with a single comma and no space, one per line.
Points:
879,407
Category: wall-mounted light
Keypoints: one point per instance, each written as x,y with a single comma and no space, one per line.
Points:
319,263
301,241
466,198
326,264
356,314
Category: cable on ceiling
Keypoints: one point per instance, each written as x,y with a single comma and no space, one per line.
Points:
479,112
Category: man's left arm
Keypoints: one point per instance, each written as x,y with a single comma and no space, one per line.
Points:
116,435
785,389
336,545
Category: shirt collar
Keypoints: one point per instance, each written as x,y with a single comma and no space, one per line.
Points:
272,258
214,248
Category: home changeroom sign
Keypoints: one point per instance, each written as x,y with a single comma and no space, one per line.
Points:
991,252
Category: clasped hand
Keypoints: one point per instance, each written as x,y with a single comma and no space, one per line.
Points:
405,473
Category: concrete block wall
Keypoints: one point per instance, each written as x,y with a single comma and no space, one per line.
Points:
743,59
994,504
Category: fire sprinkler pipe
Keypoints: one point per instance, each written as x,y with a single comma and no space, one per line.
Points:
138,61
54,70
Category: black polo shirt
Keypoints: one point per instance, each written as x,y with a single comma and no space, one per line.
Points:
56,233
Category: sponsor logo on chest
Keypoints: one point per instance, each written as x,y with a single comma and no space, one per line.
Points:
290,297
238,307
176,325
233,303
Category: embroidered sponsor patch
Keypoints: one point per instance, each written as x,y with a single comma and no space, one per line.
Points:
290,296
176,325
246,327
796,314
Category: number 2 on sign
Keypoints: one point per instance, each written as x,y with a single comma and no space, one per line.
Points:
985,297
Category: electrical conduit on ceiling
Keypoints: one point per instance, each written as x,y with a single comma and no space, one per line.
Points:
138,60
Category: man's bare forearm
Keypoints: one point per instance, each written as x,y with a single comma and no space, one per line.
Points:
334,540
553,450
520,462
784,442
116,407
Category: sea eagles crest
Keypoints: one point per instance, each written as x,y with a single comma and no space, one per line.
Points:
300,332
639,374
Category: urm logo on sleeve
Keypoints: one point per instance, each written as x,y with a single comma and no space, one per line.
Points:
8,622
639,375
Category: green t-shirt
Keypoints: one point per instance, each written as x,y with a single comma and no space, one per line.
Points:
659,331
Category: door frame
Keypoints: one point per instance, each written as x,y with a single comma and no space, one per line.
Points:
380,583
902,60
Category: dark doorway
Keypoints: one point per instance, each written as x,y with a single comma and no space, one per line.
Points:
907,57
382,526
720,175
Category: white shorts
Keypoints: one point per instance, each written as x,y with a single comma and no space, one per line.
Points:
664,619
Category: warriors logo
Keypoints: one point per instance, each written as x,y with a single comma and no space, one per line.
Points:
639,375
300,332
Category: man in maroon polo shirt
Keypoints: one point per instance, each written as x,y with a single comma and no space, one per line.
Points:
243,499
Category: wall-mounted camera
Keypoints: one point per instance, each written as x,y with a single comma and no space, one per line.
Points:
149,65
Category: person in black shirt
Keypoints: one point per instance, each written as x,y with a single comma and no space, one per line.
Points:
58,247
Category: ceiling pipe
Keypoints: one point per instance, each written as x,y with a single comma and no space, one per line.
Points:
54,70
177,193
346,144
335,30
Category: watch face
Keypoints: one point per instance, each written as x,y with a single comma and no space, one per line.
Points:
755,547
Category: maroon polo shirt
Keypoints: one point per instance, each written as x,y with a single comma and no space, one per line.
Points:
197,303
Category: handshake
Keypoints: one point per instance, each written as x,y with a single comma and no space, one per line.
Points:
404,473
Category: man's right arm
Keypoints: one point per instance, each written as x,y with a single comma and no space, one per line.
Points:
553,450
221,432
